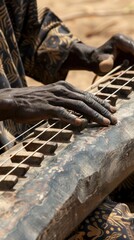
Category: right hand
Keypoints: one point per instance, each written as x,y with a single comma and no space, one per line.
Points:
54,101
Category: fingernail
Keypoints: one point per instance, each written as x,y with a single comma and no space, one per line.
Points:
84,123
106,64
80,122
112,109
77,122
106,121
113,120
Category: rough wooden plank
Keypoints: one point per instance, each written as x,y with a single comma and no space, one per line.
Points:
122,81
68,186
65,135
47,148
16,170
111,88
8,183
112,98
33,160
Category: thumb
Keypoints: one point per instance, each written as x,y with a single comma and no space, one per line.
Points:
106,62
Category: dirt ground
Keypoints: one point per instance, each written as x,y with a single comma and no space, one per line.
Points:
94,22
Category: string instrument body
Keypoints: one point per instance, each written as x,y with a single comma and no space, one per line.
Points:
58,186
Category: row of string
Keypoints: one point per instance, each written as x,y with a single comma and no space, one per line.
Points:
62,129
39,123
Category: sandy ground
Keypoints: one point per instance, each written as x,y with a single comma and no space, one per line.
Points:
93,21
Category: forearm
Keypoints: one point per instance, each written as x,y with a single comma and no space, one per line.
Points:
80,57
57,51
7,104
53,41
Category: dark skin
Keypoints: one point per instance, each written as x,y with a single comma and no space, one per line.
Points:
37,103
54,100
101,60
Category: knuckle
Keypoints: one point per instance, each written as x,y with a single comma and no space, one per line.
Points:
98,100
51,110
89,100
60,110
88,95
66,85
101,102
105,112
81,104
117,37
62,82
55,111
60,89
95,115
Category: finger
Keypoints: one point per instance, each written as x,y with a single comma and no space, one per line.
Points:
33,115
90,100
104,103
123,43
75,93
102,109
99,105
63,114
79,106
70,87
106,63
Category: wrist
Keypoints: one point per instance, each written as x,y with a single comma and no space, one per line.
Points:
80,57
7,104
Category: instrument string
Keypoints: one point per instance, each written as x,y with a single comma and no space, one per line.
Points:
24,160
115,78
126,83
23,147
22,134
104,78
89,88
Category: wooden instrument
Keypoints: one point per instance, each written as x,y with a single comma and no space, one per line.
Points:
52,180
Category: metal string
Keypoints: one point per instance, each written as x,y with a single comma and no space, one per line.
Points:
117,77
59,130
120,88
27,144
24,160
104,77
28,130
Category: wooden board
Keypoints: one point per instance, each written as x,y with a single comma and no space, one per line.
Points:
54,198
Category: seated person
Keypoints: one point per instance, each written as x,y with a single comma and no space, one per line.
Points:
46,50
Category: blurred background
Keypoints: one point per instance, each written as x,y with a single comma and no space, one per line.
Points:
93,22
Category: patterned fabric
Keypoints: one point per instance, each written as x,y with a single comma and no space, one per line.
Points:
38,48
110,221
43,44
29,46
125,192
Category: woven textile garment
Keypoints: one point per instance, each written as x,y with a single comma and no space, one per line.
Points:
38,48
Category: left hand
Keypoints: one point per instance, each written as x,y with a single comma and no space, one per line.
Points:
112,53
100,60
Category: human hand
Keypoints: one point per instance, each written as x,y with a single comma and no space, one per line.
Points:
112,53
54,101
100,60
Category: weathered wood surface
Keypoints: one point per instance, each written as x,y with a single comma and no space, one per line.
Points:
54,198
